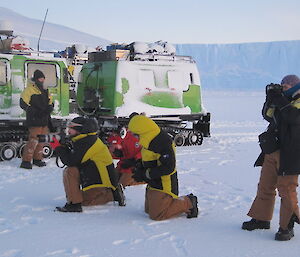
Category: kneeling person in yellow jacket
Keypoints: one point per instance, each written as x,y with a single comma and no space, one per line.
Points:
158,169
90,177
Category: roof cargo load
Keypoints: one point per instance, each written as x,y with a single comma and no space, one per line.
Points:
14,44
6,28
111,55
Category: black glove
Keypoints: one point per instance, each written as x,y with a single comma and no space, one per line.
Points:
272,93
118,153
139,175
128,163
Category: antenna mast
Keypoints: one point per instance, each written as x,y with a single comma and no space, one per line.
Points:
38,45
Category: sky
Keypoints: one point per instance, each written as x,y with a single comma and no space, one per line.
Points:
177,21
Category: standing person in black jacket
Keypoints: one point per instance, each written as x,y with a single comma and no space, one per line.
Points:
280,160
37,103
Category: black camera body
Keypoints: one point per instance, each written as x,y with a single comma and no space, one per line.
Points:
275,88
61,137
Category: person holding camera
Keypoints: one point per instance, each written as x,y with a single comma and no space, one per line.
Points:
279,159
127,150
90,177
36,101
158,170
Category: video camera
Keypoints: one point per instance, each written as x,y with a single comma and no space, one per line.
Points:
61,137
275,88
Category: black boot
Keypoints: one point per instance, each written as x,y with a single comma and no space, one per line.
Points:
26,165
70,207
293,219
194,210
39,163
284,234
119,195
287,234
255,224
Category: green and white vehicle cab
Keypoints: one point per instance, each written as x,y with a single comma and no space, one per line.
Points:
16,69
15,72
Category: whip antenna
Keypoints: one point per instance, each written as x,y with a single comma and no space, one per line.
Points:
38,44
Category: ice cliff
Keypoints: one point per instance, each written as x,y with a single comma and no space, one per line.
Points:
243,66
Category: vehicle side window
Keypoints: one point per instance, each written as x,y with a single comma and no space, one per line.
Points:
179,80
3,72
146,79
49,70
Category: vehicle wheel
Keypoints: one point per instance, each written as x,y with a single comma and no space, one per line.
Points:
47,151
21,150
8,152
195,138
179,139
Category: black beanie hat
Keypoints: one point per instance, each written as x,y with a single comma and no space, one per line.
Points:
37,74
77,124
84,125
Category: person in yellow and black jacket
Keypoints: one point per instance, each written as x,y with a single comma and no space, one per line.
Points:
158,170
90,177
37,103
279,159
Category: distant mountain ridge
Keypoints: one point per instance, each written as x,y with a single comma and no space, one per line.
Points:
245,66
54,36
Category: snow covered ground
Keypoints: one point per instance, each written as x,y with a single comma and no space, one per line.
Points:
220,172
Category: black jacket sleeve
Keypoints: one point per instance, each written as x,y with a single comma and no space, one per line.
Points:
266,107
290,115
67,156
167,164
70,157
162,145
74,156
23,105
